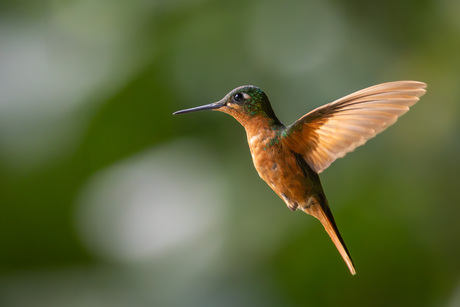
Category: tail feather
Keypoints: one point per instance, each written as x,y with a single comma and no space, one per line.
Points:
324,215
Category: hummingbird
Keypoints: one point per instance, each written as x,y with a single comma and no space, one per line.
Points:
289,158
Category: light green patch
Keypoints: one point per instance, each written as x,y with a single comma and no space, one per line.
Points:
274,141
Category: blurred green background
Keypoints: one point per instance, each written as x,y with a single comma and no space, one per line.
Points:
106,199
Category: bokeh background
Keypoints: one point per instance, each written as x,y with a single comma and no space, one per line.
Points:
106,199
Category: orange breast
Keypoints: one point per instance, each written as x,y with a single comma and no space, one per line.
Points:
278,168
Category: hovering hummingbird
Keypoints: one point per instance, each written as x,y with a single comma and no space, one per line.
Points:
290,158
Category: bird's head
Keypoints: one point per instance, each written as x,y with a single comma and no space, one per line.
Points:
243,103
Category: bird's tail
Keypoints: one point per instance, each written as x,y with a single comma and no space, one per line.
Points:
324,215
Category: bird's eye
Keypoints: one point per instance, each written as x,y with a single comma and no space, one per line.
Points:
238,97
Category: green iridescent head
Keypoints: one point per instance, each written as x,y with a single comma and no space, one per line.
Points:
247,101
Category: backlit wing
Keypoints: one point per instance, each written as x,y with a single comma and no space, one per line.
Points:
331,131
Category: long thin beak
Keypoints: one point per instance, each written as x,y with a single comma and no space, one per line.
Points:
211,106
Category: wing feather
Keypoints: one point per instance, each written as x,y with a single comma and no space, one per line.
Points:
335,129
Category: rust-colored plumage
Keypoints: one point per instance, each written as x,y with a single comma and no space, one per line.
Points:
290,158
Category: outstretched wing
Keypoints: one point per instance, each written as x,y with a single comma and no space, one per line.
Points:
333,130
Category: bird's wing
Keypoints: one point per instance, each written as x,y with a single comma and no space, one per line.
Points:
333,130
